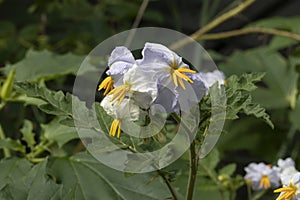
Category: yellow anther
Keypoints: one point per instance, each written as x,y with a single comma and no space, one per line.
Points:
107,84
115,128
288,192
178,76
265,182
119,93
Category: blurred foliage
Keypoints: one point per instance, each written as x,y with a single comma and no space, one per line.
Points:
42,44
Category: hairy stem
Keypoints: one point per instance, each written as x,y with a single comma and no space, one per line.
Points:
193,171
6,151
231,13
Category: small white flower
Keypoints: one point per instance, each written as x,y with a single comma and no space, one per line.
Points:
166,64
261,176
138,84
127,110
119,62
211,78
290,189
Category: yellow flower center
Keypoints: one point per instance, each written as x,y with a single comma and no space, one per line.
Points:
288,192
115,128
265,182
107,84
178,76
119,93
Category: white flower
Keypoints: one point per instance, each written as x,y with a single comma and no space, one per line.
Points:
211,78
119,62
139,84
127,110
286,168
261,176
166,64
290,189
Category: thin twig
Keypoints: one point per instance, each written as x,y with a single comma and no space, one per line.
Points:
231,13
251,30
136,22
171,189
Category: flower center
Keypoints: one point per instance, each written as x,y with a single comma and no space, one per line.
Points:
119,93
265,182
178,76
288,192
107,84
115,128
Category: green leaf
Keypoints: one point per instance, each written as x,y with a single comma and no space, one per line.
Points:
83,177
28,135
33,185
56,103
61,134
294,115
239,98
279,86
209,163
14,145
285,23
12,169
7,86
228,169
46,65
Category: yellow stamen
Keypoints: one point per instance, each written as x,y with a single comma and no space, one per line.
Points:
107,84
181,70
265,182
119,93
289,192
178,76
175,79
115,128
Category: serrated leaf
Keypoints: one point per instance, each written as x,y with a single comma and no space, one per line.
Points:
46,65
28,135
61,134
57,103
279,86
83,177
33,185
12,169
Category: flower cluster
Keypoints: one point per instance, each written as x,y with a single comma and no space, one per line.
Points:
263,176
158,78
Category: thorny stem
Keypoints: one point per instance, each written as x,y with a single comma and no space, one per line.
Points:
6,151
231,13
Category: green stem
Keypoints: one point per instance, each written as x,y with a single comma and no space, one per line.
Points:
41,149
193,171
231,13
290,136
251,30
170,187
6,151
